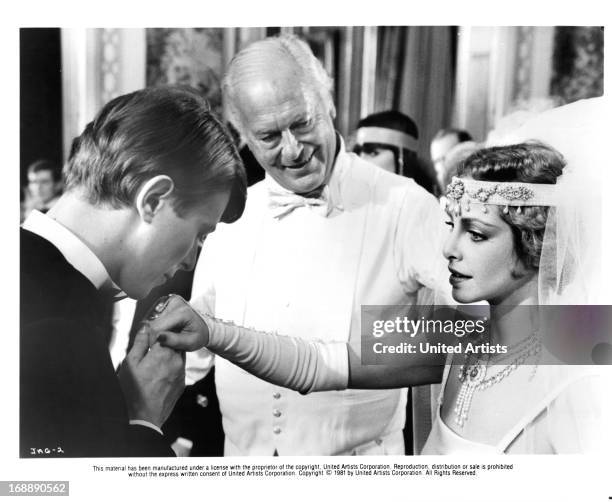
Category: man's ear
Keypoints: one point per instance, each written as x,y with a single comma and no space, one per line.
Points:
332,110
153,194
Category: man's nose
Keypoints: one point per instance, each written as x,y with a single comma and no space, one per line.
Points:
291,148
191,259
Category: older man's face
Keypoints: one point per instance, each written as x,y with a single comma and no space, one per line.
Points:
289,130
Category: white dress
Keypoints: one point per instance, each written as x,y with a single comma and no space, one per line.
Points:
566,418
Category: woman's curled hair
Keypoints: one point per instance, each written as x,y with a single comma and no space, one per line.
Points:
529,162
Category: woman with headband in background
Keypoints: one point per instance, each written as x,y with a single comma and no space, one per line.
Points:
390,140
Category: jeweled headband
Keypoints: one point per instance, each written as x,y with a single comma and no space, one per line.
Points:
465,191
386,136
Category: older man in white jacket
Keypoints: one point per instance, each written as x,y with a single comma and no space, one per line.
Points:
323,234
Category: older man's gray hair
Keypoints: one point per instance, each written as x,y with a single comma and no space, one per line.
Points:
271,57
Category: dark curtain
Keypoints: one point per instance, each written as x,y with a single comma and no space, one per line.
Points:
415,75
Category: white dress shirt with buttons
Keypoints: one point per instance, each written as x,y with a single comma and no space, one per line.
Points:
306,274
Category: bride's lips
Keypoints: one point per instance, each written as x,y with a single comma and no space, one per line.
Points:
299,165
456,277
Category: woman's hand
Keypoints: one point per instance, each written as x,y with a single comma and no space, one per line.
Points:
173,323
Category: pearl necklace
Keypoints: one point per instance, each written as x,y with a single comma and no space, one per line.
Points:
473,375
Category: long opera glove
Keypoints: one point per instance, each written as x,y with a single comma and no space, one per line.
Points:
305,366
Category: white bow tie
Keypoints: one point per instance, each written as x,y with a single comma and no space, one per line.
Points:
283,203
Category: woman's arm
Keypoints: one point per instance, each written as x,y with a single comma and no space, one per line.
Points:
305,366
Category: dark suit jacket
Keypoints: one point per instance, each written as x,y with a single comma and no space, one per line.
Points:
71,404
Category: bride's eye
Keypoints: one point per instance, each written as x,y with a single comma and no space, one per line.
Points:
450,224
477,236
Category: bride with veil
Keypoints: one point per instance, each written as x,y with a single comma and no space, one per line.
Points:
524,233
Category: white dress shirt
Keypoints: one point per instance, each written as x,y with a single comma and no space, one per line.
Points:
306,274
79,256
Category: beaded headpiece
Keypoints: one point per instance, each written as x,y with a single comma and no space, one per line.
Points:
465,191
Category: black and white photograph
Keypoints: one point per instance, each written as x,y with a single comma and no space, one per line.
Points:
233,241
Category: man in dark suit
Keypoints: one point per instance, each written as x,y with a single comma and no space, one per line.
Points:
146,181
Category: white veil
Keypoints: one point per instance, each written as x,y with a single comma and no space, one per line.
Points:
570,263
